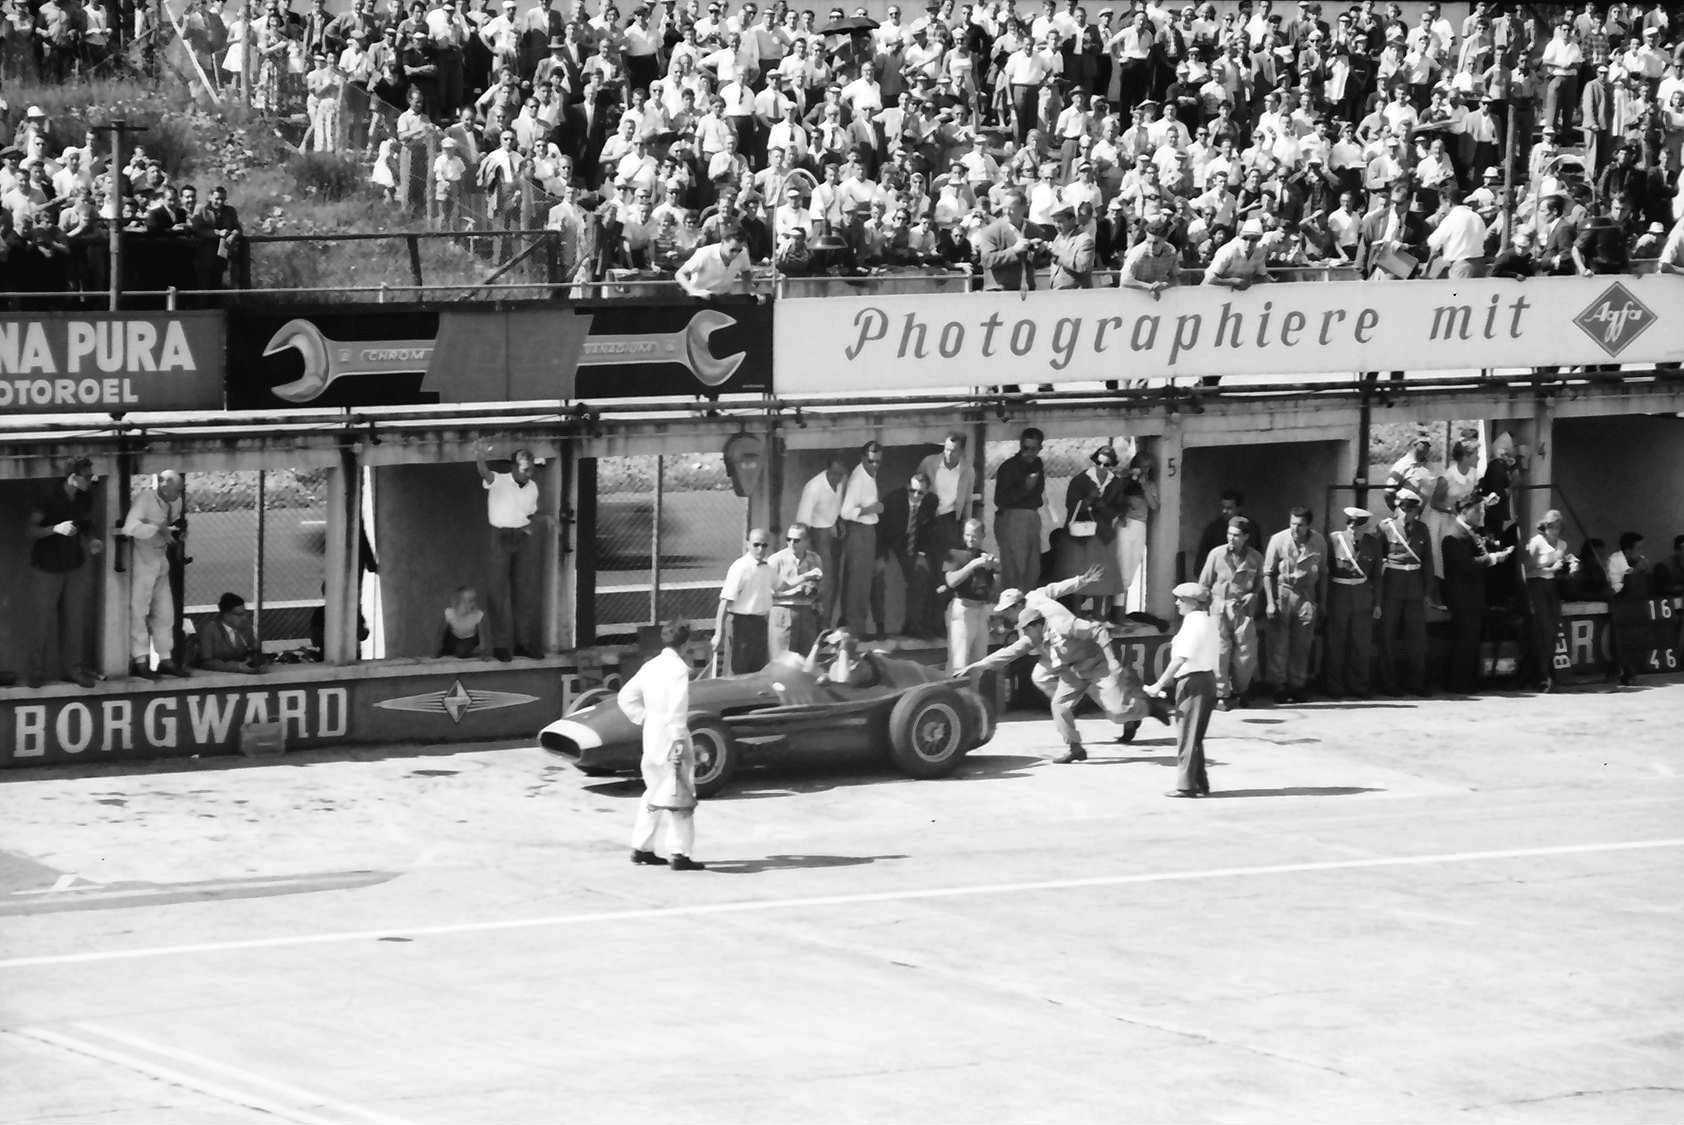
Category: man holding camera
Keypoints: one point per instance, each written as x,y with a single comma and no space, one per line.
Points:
154,524
970,575
1004,251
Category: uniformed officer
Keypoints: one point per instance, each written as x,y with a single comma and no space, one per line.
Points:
1234,576
1295,585
971,574
1358,559
1409,575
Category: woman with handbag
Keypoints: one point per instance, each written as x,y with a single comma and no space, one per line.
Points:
1092,504
1548,558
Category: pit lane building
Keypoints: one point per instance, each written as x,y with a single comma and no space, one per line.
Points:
665,428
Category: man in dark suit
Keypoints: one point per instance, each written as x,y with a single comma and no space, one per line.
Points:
1465,563
1556,237
906,536
1004,251
217,228
1392,227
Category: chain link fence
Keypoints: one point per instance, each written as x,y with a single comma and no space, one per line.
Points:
667,528
263,536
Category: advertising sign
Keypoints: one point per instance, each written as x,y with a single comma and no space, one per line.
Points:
195,716
417,355
1287,333
110,363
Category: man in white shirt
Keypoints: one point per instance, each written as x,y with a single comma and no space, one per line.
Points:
512,601
744,603
1625,562
1460,237
953,481
799,578
718,268
820,511
859,513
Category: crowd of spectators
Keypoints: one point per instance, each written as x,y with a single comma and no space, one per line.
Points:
1148,145
1148,140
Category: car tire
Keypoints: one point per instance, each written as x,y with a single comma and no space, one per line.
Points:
716,754
929,731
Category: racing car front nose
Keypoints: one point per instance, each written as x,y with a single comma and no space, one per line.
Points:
568,738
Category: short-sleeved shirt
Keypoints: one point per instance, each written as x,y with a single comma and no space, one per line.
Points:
748,586
510,504
979,587
1196,642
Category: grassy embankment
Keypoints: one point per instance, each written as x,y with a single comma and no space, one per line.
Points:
275,188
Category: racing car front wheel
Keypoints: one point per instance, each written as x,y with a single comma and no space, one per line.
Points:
716,755
928,732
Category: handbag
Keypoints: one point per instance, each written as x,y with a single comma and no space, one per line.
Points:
1082,529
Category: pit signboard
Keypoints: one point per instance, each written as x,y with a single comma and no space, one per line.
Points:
110,363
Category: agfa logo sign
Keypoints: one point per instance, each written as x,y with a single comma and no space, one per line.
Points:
1615,319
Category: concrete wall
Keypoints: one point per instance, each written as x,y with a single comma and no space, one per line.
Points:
1622,474
1275,477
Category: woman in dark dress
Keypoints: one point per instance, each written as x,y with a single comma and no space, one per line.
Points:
1092,505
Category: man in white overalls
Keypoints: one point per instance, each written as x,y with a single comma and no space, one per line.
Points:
657,699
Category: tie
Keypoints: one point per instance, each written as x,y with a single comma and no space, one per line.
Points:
911,521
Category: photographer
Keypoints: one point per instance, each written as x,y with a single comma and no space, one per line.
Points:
970,575
156,522
1004,251
228,643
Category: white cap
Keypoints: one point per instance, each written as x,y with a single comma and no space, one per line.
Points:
1251,228
1008,598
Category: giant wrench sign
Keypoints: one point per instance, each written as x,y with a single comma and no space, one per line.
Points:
327,360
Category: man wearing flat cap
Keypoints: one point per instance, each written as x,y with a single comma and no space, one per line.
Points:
1356,558
1076,656
1072,252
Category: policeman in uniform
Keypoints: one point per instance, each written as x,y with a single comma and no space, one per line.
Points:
1295,585
1357,561
1233,574
1403,604
970,574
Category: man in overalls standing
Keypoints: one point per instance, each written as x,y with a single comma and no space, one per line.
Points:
1234,576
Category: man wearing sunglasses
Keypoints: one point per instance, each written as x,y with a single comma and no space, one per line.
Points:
745,603
798,582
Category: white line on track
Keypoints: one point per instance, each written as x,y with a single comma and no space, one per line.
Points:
129,1061
340,1111
757,905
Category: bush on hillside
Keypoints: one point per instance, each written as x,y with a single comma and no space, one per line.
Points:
325,175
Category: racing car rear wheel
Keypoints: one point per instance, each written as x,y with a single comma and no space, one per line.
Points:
716,755
929,731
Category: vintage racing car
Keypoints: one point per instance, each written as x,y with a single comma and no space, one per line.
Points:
911,713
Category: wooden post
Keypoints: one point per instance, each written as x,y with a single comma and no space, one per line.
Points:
257,562
655,542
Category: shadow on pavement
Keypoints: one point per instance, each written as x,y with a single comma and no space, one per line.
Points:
1142,759
1296,791
295,759
782,862
756,783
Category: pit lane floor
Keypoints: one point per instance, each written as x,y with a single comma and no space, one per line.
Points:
1457,910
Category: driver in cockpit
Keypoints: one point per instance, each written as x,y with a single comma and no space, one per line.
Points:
836,659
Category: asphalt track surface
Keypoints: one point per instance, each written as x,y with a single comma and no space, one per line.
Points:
1457,910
